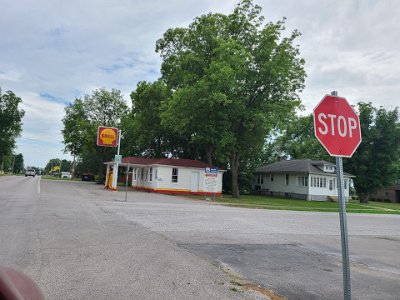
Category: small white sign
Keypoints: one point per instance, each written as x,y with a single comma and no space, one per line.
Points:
118,159
210,183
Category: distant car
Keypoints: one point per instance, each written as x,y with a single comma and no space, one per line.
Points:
30,172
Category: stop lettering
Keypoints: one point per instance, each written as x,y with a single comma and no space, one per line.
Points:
337,126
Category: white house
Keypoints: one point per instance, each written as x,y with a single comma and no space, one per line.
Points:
302,179
171,175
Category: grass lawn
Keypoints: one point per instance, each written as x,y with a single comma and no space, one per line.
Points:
266,202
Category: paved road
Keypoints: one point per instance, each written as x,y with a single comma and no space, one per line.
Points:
80,242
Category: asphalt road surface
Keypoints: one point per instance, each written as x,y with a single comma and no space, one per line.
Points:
78,241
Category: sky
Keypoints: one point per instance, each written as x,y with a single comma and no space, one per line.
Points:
52,52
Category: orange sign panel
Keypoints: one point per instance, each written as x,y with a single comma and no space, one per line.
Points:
107,136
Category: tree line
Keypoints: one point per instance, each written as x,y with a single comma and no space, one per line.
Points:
228,95
10,128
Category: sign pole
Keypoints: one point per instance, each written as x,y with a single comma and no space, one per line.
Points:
126,183
343,230
116,164
343,226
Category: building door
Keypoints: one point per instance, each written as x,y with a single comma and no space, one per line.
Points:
194,182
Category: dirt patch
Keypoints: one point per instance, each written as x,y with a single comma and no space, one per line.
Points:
268,293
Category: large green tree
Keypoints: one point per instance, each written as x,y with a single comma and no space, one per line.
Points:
82,118
234,78
297,140
18,163
376,161
144,134
10,122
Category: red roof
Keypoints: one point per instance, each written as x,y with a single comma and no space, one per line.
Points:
178,162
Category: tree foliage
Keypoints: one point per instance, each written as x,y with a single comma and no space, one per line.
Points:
144,134
82,118
297,140
376,161
10,122
18,163
234,78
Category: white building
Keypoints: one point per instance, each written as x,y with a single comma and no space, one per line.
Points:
66,175
170,175
302,179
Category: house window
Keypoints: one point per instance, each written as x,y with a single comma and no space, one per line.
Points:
174,174
345,183
260,179
302,181
134,174
156,175
271,177
323,182
151,174
141,174
287,179
330,184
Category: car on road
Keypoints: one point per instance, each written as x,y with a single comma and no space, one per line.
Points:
30,172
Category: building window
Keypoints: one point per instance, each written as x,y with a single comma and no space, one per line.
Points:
156,175
141,174
151,174
345,183
260,179
271,177
134,174
287,179
330,184
174,174
302,181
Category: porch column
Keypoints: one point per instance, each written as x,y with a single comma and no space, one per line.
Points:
114,177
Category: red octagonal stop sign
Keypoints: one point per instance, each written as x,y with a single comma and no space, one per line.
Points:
337,126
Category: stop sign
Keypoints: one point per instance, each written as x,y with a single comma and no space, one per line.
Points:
337,126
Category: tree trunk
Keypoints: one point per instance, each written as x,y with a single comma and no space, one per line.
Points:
209,152
364,198
234,161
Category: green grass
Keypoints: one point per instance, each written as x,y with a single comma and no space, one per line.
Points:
253,201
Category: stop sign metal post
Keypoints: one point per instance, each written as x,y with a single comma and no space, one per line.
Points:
337,127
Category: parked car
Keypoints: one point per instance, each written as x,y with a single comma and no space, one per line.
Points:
30,172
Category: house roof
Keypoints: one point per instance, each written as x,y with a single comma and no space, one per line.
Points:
177,162
296,166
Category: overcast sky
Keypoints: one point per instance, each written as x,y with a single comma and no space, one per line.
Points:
54,51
